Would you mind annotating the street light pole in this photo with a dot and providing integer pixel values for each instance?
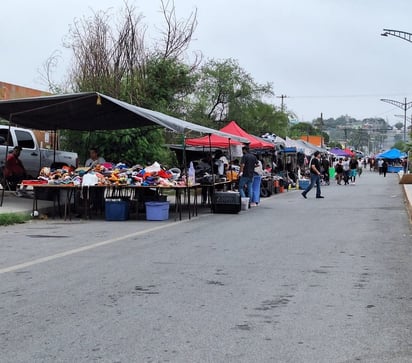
(405, 106)
(409, 119)
(408, 37)
(397, 33)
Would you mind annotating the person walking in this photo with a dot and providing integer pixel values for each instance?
(325, 166)
(339, 171)
(246, 173)
(353, 166)
(346, 170)
(314, 167)
(380, 164)
(384, 167)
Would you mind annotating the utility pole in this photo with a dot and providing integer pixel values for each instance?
(282, 97)
(321, 129)
(403, 105)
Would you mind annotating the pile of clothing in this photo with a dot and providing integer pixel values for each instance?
(109, 174)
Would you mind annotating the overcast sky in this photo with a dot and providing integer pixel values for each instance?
(326, 56)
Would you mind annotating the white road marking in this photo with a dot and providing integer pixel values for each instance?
(84, 248)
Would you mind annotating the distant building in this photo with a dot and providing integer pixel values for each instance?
(314, 140)
(10, 91)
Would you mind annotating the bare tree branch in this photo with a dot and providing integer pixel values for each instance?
(178, 33)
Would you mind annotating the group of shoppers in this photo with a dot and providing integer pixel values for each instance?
(346, 170)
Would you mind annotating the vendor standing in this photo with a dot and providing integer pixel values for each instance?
(94, 158)
(14, 171)
(220, 163)
(257, 180)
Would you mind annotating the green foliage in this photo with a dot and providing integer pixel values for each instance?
(224, 91)
(131, 146)
(333, 144)
(300, 129)
(258, 118)
(402, 146)
(13, 218)
(166, 82)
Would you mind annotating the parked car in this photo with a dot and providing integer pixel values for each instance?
(32, 156)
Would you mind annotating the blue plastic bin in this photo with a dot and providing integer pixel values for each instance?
(157, 211)
(116, 210)
(303, 183)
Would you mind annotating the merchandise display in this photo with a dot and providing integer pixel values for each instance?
(108, 174)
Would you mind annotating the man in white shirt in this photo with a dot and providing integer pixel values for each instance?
(221, 162)
(346, 170)
(94, 158)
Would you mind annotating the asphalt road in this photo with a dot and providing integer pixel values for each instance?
(293, 280)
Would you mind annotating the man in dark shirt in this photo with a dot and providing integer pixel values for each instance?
(314, 175)
(247, 168)
(353, 167)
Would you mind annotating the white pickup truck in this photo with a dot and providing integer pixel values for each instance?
(32, 156)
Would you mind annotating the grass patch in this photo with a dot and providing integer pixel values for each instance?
(13, 218)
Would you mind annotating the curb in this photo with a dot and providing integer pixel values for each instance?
(407, 192)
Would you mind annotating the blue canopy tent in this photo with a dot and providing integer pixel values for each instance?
(391, 154)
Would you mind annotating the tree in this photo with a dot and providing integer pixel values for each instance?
(259, 118)
(333, 144)
(399, 125)
(116, 61)
(401, 145)
(223, 89)
(300, 129)
(168, 82)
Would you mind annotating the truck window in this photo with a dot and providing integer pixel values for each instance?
(3, 133)
(24, 139)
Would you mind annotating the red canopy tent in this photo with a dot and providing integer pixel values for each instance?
(212, 141)
(231, 128)
(349, 152)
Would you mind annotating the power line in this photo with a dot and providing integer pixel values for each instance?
(350, 96)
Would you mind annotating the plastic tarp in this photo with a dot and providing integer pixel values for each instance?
(89, 111)
(234, 129)
(300, 146)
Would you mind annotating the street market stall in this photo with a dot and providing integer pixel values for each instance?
(393, 156)
(91, 111)
(255, 143)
